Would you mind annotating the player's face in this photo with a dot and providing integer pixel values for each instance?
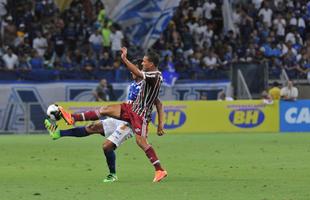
(103, 82)
(147, 65)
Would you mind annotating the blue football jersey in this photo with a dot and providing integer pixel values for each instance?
(134, 89)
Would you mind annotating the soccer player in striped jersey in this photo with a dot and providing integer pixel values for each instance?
(116, 131)
(136, 113)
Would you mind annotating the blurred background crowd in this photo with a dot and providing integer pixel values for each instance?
(41, 42)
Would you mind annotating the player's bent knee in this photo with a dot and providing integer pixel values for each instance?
(108, 146)
(111, 111)
(90, 129)
(104, 110)
(95, 127)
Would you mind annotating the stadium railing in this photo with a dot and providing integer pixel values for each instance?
(243, 91)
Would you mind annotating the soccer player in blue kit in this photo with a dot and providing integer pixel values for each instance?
(116, 131)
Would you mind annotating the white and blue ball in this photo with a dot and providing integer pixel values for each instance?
(53, 112)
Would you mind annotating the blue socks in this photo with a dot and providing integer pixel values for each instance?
(110, 156)
(74, 132)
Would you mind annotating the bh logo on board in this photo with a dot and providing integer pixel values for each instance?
(174, 118)
(246, 118)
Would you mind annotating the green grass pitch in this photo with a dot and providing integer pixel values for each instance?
(200, 166)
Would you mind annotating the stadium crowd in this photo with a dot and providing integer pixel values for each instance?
(38, 42)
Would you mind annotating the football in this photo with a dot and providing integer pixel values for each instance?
(53, 112)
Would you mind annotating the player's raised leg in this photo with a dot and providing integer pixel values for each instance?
(92, 115)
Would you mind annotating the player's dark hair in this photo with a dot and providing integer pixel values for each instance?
(153, 57)
(138, 63)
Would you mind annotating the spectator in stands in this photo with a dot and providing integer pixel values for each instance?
(67, 61)
(71, 35)
(119, 70)
(188, 42)
(304, 67)
(58, 42)
(266, 14)
(275, 91)
(78, 58)
(49, 56)
(170, 76)
(298, 22)
(10, 60)
(175, 35)
(228, 55)
(198, 12)
(290, 62)
(246, 26)
(106, 32)
(8, 31)
(101, 12)
(20, 35)
(40, 44)
(166, 52)
(289, 92)
(208, 7)
(116, 38)
(36, 61)
(257, 3)
(267, 99)
(88, 65)
(24, 65)
(207, 37)
(203, 95)
(105, 62)
(96, 42)
(279, 24)
(293, 37)
(198, 32)
(24, 48)
(3, 11)
(221, 96)
(194, 66)
(104, 91)
(210, 61)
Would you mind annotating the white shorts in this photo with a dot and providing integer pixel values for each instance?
(117, 131)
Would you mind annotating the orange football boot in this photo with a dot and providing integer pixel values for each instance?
(159, 175)
(66, 116)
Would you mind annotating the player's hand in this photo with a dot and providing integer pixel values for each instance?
(124, 52)
(160, 130)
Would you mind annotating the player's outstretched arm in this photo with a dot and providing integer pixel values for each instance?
(133, 68)
(160, 113)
